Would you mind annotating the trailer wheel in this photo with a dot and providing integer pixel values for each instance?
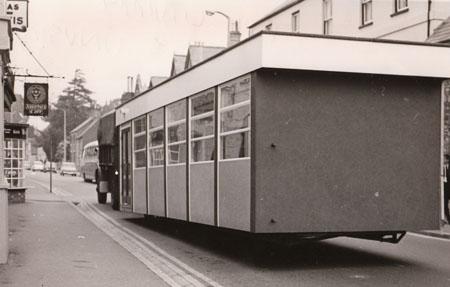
(101, 197)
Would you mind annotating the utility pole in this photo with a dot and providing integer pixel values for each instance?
(65, 153)
(51, 160)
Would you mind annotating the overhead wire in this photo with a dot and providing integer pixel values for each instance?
(32, 55)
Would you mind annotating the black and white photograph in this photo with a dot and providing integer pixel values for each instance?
(222, 143)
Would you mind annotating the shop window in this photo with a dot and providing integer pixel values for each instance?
(13, 164)
(202, 127)
(234, 116)
(176, 132)
(156, 138)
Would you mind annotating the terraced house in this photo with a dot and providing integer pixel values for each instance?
(382, 19)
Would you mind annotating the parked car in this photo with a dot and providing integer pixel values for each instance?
(47, 167)
(37, 165)
(68, 168)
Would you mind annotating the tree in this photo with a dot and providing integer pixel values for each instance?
(76, 101)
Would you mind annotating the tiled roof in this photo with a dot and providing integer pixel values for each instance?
(155, 80)
(178, 63)
(198, 53)
(441, 34)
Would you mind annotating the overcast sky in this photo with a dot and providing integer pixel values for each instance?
(112, 39)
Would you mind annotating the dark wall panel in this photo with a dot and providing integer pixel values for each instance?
(234, 194)
(139, 191)
(156, 204)
(201, 193)
(176, 192)
(345, 152)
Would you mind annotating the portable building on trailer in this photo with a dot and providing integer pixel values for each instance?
(292, 133)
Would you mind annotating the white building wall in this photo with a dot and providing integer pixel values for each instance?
(347, 19)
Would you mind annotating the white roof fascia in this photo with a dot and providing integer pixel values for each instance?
(355, 56)
(230, 65)
(297, 52)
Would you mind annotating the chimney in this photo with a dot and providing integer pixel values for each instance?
(235, 35)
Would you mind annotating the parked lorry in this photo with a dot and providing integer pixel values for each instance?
(107, 160)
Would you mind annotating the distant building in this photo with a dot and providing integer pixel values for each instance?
(199, 53)
(84, 133)
(389, 19)
(178, 64)
(156, 80)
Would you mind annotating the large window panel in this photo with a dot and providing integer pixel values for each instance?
(235, 145)
(139, 142)
(139, 159)
(156, 138)
(139, 135)
(235, 119)
(203, 150)
(202, 126)
(202, 103)
(234, 114)
(176, 132)
(236, 92)
(177, 153)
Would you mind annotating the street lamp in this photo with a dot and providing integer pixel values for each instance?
(211, 13)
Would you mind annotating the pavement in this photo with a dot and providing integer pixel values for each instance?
(444, 232)
(53, 244)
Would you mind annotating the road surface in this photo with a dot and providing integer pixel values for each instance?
(209, 257)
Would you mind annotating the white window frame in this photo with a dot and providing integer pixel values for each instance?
(135, 135)
(398, 4)
(238, 131)
(327, 19)
(364, 5)
(150, 131)
(20, 159)
(295, 21)
(198, 117)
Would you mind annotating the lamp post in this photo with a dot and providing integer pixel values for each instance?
(211, 13)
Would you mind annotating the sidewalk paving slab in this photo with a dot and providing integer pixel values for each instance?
(52, 244)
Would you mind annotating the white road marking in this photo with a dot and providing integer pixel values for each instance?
(170, 269)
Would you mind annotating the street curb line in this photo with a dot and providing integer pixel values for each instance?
(442, 235)
(158, 250)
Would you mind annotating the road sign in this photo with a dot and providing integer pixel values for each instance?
(17, 10)
(36, 99)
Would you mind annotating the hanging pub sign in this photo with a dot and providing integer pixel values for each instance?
(36, 99)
